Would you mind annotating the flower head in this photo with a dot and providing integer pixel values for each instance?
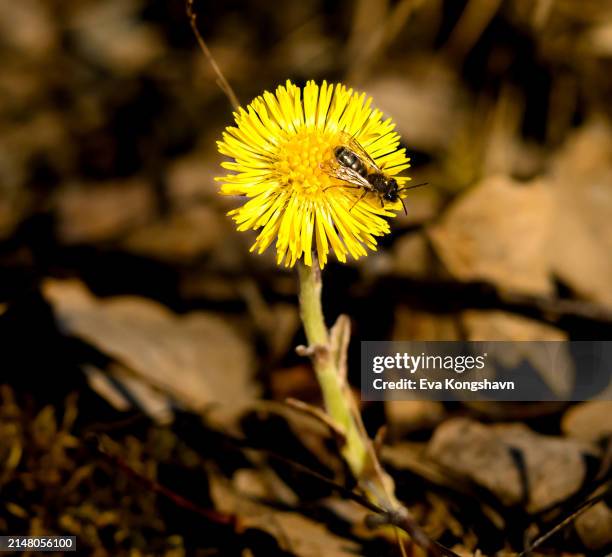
(280, 146)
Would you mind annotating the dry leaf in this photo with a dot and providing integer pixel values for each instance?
(523, 334)
(95, 213)
(500, 325)
(424, 102)
(192, 179)
(413, 324)
(181, 238)
(478, 236)
(412, 255)
(594, 526)
(408, 416)
(197, 358)
(554, 467)
(147, 399)
(582, 240)
(472, 450)
(588, 421)
(295, 533)
(110, 33)
(28, 27)
(422, 205)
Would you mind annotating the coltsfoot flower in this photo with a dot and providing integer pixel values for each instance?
(281, 148)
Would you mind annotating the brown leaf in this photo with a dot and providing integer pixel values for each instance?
(594, 526)
(111, 34)
(582, 240)
(554, 467)
(94, 213)
(192, 179)
(197, 358)
(588, 421)
(408, 416)
(499, 325)
(295, 533)
(424, 102)
(180, 238)
(472, 450)
(421, 325)
(414, 457)
(151, 401)
(499, 232)
(422, 204)
(27, 27)
(294, 382)
(412, 255)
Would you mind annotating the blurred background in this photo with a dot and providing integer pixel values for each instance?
(143, 346)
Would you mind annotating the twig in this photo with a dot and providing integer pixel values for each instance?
(221, 80)
(398, 518)
(94, 441)
(567, 520)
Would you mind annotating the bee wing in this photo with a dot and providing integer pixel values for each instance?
(358, 149)
(334, 169)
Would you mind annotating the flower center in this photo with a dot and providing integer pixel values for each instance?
(300, 158)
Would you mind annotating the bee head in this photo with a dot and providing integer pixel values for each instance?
(392, 190)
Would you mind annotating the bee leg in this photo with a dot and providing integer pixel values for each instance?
(404, 206)
(362, 196)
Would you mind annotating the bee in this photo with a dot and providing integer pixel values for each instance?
(352, 164)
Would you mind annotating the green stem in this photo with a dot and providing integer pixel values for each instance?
(336, 394)
(311, 310)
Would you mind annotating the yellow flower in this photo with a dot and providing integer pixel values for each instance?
(280, 144)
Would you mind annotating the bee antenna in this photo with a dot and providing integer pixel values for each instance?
(404, 206)
(405, 188)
